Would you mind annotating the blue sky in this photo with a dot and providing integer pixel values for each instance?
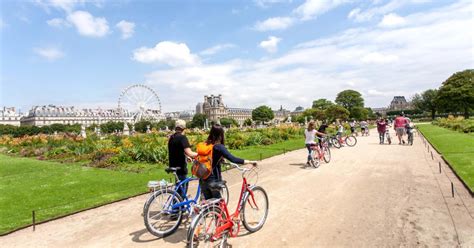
(273, 52)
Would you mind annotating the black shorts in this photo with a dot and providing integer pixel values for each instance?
(353, 129)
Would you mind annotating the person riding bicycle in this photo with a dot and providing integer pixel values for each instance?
(353, 124)
(219, 152)
(310, 136)
(322, 131)
(178, 149)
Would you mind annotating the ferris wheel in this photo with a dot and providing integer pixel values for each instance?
(142, 101)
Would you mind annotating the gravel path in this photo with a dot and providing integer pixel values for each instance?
(369, 195)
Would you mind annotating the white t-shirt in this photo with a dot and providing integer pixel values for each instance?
(340, 129)
(310, 136)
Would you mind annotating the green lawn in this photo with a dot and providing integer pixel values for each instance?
(457, 148)
(53, 189)
(253, 152)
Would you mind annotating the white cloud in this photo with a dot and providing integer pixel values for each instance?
(88, 25)
(127, 28)
(392, 20)
(58, 23)
(267, 3)
(2, 24)
(50, 53)
(166, 52)
(66, 5)
(427, 50)
(274, 23)
(359, 15)
(378, 58)
(310, 9)
(271, 45)
(217, 48)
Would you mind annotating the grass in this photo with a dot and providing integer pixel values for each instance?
(54, 189)
(254, 152)
(457, 148)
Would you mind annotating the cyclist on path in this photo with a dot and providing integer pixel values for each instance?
(310, 136)
(381, 128)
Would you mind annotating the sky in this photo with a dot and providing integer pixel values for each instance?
(263, 52)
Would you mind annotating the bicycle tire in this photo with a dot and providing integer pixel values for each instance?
(146, 217)
(350, 141)
(213, 212)
(327, 154)
(335, 142)
(246, 206)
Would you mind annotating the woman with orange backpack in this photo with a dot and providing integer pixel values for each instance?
(209, 160)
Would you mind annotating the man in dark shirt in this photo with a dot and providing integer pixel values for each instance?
(321, 129)
(178, 147)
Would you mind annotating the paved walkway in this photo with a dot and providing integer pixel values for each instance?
(369, 195)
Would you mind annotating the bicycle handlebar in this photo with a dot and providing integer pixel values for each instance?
(241, 169)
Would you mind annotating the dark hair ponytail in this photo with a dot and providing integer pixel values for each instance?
(216, 135)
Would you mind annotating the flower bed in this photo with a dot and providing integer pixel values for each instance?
(456, 123)
(115, 152)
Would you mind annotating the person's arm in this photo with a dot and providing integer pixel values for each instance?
(187, 147)
(227, 155)
(190, 153)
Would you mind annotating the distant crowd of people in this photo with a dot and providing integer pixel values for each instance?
(401, 124)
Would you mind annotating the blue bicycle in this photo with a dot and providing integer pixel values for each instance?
(164, 209)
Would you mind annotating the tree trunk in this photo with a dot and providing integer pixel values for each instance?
(466, 113)
(433, 112)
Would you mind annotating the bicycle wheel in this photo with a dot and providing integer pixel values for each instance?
(327, 154)
(203, 227)
(160, 218)
(335, 142)
(255, 210)
(351, 141)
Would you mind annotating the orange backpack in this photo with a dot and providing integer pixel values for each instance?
(202, 166)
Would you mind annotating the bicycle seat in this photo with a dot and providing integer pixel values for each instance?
(172, 169)
(217, 185)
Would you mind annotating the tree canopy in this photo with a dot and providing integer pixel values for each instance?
(322, 104)
(198, 120)
(457, 92)
(359, 113)
(228, 122)
(350, 99)
(262, 114)
(426, 101)
(337, 112)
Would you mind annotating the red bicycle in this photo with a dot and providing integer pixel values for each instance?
(213, 225)
(320, 152)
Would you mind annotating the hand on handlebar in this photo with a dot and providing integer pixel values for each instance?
(254, 163)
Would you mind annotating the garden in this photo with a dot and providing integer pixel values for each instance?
(59, 174)
(456, 147)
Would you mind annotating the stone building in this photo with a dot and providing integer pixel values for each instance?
(281, 114)
(186, 115)
(215, 109)
(239, 114)
(51, 114)
(9, 116)
(399, 103)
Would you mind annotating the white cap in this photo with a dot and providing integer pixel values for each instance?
(181, 124)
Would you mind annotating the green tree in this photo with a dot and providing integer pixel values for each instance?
(350, 99)
(371, 114)
(426, 101)
(457, 92)
(141, 126)
(228, 122)
(198, 120)
(322, 104)
(315, 114)
(248, 122)
(262, 114)
(359, 113)
(337, 112)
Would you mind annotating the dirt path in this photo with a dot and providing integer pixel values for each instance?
(369, 195)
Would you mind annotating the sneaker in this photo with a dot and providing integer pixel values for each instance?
(403, 142)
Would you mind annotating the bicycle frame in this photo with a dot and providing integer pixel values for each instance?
(228, 223)
(187, 203)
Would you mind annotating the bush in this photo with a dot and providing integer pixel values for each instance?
(456, 123)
